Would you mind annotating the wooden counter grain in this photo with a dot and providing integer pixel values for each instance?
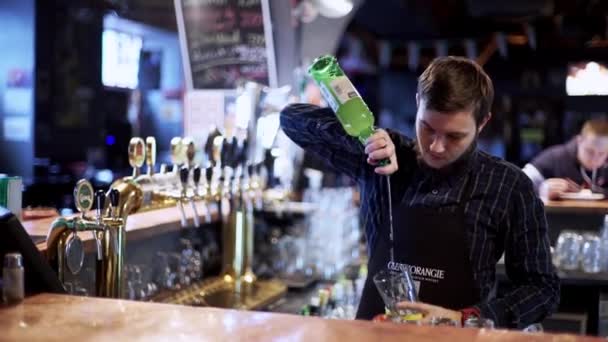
(49, 317)
(139, 225)
(577, 207)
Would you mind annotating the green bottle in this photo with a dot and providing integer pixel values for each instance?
(343, 98)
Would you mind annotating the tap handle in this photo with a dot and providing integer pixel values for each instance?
(183, 176)
(236, 153)
(190, 149)
(100, 199)
(176, 150)
(114, 198)
(196, 175)
(137, 152)
(150, 154)
(209, 174)
(211, 148)
(225, 154)
(244, 152)
(163, 169)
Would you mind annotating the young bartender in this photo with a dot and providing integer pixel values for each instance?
(579, 163)
(455, 208)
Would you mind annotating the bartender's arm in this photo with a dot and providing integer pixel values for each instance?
(318, 130)
(544, 178)
(535, 285)
(534, 292)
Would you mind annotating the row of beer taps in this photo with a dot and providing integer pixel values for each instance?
(228, 181)
(226, 175)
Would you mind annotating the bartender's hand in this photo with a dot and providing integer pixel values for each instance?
(378, 147)
(431, 311)
(553, 188)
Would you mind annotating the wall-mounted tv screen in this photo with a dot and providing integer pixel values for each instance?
(120, 59)
(587, 78)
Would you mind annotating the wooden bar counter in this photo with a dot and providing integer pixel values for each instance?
(577, 207)
(67, 318)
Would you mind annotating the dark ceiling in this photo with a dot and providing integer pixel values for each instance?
(563, 20)
(555, 24)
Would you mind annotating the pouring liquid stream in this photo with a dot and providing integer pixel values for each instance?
(390, 220)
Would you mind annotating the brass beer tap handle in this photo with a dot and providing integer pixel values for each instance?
(114, 199)
(150, 155)
(100, 198)
(176, 152)
(137, 155)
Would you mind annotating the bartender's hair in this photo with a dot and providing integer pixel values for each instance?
(451, 84)
(597, 126)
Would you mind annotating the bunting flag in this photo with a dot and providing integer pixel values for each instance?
(501, 42)
(531, 35)
(384, 55)
(413, 55)
(470, 48)
(441, 48)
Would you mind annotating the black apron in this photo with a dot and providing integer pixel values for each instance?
(434, 246)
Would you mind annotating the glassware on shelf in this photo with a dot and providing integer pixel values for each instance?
(591, 253)
(568, 250)
(164, 277)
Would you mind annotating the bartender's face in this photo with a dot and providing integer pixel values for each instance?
(592, 151)
(444, 137)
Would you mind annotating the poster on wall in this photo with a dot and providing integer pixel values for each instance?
(225, 41)
(203, 110)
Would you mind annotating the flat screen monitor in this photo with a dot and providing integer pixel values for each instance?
(120, 53)
(587, 78)
(39, 276)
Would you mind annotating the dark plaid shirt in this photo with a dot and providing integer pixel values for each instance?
(502, 211)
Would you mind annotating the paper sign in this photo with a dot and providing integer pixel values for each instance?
(203, 109)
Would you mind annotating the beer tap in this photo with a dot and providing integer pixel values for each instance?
(137, 155)
(190, 151)
(247, 276)
(196, 177)
(176, 153)
(183, 177)
(65, 249)
(110, 269)
(150, 156)
(100, 198)
(114, 199)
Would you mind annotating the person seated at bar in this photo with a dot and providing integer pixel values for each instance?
(579, 163)
(454, 208)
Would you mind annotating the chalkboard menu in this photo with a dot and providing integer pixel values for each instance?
(224, 41)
